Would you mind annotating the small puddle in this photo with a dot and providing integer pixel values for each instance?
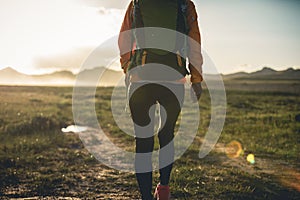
(74, 129)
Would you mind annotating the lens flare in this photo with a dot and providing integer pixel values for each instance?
(234, 149)
(250, 158)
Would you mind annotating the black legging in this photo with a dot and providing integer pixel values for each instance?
(143, 97)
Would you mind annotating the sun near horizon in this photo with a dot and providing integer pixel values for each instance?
(42, 37)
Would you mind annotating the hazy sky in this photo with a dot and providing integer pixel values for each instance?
(239, 35)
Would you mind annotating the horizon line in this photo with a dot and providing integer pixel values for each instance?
(221, 73)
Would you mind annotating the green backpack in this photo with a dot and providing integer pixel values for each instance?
(167, 14)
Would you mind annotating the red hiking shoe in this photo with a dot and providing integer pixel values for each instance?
(162, 192)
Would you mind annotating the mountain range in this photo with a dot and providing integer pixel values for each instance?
(9, 76)
(267, 74)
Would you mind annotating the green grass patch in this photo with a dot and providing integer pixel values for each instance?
(37, 159)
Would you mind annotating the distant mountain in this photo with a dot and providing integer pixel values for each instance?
(88, 77)
(266, 71)
(235, 75)
(8, 72)
(62, 74)
(9, 76)
(100, 75)
(267, 74)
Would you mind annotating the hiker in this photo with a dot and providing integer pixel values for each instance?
(148, 87)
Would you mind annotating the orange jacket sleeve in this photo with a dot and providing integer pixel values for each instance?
(194, 55)
(125, 38)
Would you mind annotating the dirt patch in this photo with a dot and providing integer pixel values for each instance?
(286, 173)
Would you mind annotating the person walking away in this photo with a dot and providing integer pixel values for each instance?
(148, 87)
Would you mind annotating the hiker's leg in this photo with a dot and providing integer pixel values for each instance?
(172, 105)
(143, 166)
(140, 103)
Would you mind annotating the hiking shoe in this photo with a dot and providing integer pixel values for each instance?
(162, 192)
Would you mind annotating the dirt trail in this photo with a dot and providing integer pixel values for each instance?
(93, 183)
(287, 174)
(96, 180)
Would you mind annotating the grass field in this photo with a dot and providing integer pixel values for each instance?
(38, 160)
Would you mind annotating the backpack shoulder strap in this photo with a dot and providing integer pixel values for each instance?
(136, 15)
(182, 12)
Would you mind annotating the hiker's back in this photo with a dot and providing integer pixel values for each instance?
(165, 19)
(159, 13)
